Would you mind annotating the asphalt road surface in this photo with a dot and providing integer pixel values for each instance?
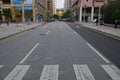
(53, 51)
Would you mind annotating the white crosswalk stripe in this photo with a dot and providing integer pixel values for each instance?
(1, 66)
(113, 71)
(18, 72)
(83, 72)
(50, 72)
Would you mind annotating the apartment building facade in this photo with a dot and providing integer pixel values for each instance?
(83, 9)
(67, 5)
(51, 6)
(24, 7)
(34, 9)
(40, 9)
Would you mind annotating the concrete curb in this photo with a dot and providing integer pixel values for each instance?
(20, 31)
(103, 32)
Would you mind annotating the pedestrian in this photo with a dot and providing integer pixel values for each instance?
(97, 22)
(7, 22)
(116, 23)
(101, 22)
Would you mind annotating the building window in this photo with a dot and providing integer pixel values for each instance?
(99, 0)
(6, 1)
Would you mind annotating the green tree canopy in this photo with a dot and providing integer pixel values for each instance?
(55, 16)
(112, 10)
(66, 14)
(48, 14)
(6, 12)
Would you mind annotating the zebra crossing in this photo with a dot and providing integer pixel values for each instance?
(51, 72)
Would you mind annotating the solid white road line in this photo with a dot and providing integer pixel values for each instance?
(1, 66)
(98, 53)
(113, 71)
(18, 72)
(29, 53)
(50, 72)
(75, 32)
(83, 73)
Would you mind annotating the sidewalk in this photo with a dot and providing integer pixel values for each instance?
(6, 31)
(110, 31)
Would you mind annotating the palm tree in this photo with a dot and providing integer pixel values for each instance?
(6, 12)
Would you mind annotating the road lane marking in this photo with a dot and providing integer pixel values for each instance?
(29, 53)
(1, 66)
(113, 71)
(98, 53)
(50, 72)
(83, 72)
(18, 72)
(48, 32)
(75, 32)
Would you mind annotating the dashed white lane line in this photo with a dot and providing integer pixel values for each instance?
(113, 71)
(22, 61)
(50, 72)
(18, 72)
(48, 32)
(1, 66)
(83, 72)
(107, 61)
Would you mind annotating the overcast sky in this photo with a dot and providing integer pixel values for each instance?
(60, 3)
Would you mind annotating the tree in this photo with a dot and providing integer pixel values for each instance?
(66, 14)
(48, 14)
(111, 11)
(6, 12)
(55, 16)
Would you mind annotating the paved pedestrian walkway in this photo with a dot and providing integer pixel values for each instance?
(6, 31)
(105, 29)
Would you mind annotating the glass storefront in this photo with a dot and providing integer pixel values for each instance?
(28, 2)
(17, 1)
(20, 2)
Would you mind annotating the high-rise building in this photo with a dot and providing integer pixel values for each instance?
(26, 8)
(67, 5)
(33, 9)
(85, 9)
(50, 6)
(54, 6)
(41, 8)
